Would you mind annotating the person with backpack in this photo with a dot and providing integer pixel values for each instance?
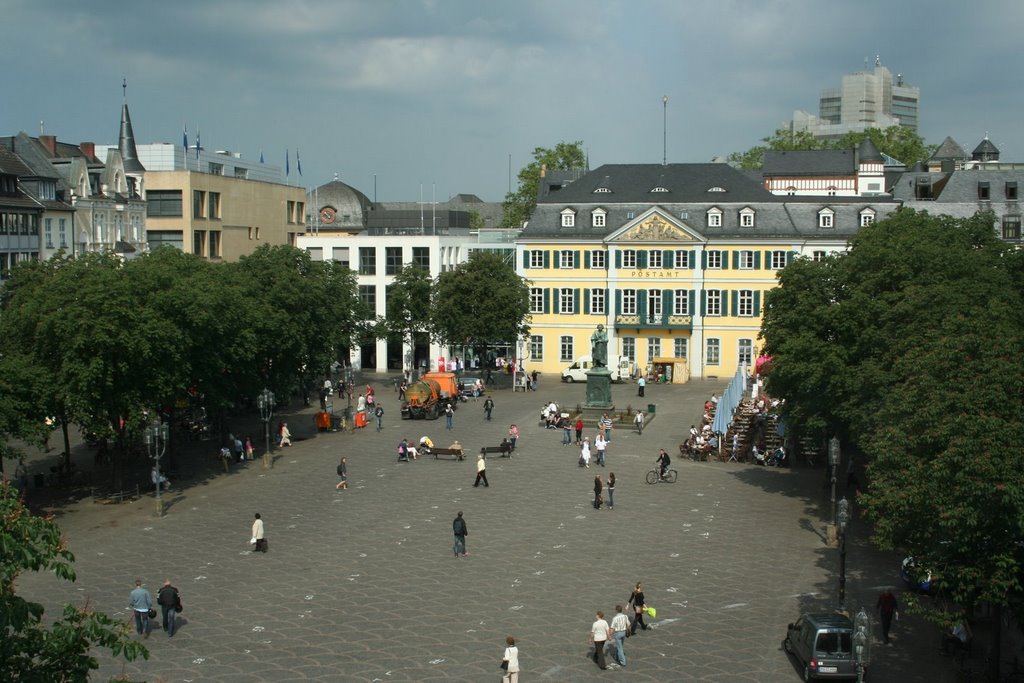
(342, 474)
(379, 414)
(460, 530)
(449, 413)
(488, 407)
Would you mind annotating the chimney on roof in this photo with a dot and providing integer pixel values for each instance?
(88, 149)
(50, 143)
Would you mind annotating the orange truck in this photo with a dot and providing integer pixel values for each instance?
(425, 398)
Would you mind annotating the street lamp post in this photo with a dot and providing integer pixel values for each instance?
(834, 455)
(844, 520)
(265, 403)
(155, 437)
(861, 642)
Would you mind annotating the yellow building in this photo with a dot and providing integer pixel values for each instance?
(673, 260)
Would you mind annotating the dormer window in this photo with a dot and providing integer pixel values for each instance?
(659, 189)
(867, 217)
(832, 191)
(983, 191)
(716, 188)
(746, 217)
(602, 190)
(1011, 190)
(598, 218)
(568, 218)
(714, 218)
(826, 218)
(791, 191)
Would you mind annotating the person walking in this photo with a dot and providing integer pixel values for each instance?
(513, 435)
(579, 431)
(619, 627)
(488, 407)
(140, 602)
(449, 413)
(481, 471)
(258, 537)
(888, 608)
(639, 422)
(638, 602)
(566, 432)
(585, 453)
(599, 633)
(598, 488)
(170, 604)
(378, 413)
(285, 435)
(640, 384)
(250, 450)
(510, 661)
(342, 475)
(600, 444)
(460, 530)
(611, 490)
(607, 423)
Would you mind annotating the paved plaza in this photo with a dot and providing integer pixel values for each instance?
(362, 585)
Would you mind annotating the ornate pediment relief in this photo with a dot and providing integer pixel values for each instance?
(655, 229)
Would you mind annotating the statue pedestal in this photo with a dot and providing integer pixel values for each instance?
(599, 389)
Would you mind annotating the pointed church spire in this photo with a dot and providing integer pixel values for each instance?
(126, 138)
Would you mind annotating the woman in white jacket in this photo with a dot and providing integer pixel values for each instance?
(511, 658)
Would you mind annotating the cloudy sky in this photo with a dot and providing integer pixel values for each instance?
(448, 94)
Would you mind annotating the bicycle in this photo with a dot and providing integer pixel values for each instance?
(654, 476)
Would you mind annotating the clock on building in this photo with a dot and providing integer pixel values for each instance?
(327, 215)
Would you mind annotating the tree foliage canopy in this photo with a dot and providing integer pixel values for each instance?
(899, 142)
(481, 303)
(31, 651)
(519, 204)
(908, 346)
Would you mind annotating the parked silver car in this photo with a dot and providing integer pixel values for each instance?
(823, 645)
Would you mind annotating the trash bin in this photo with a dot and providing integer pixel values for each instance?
(650, 408)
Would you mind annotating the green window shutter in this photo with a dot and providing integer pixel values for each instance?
(768, 260)
(666, 303)
(757, 260)
(757, 303)
(725, 260)
(790, 256)
(703, 302)
(618, 302)
(547, 259)
(735, 260)
(586, 259)
(526, 259)
(618, 258)
(576, 300)
(668, 259)
(703, 261)
(692, 296)
(641, 259)
(547, 300)
(641, 303)
(576, 259)
(586, 300)
(733, 311)
(692, 261)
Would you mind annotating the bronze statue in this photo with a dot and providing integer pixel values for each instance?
(599, 347)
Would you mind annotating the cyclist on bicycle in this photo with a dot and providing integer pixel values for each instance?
(663, 462)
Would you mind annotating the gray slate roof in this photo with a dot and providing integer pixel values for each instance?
(814, 162)
(949, 149)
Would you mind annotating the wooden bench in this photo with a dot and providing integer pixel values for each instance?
(456, 453)
(504, 449)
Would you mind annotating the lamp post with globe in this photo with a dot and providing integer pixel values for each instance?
(265, 403)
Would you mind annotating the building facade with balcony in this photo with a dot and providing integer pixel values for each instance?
(674, 260)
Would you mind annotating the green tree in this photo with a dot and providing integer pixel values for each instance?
(899, 142)
(519, 204)
(30, 650)
(481, 303)
(408, 306)
(907, 345)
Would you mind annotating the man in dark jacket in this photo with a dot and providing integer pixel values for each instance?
(461, 531)
(170, 605)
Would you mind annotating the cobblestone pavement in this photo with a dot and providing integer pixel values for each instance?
(362, 585)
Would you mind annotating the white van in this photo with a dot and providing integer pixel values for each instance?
(619, 366)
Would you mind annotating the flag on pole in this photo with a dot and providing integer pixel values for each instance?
(184, 139)
(198, 144)
(287, 166)
(261, 156)
(298, 162)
